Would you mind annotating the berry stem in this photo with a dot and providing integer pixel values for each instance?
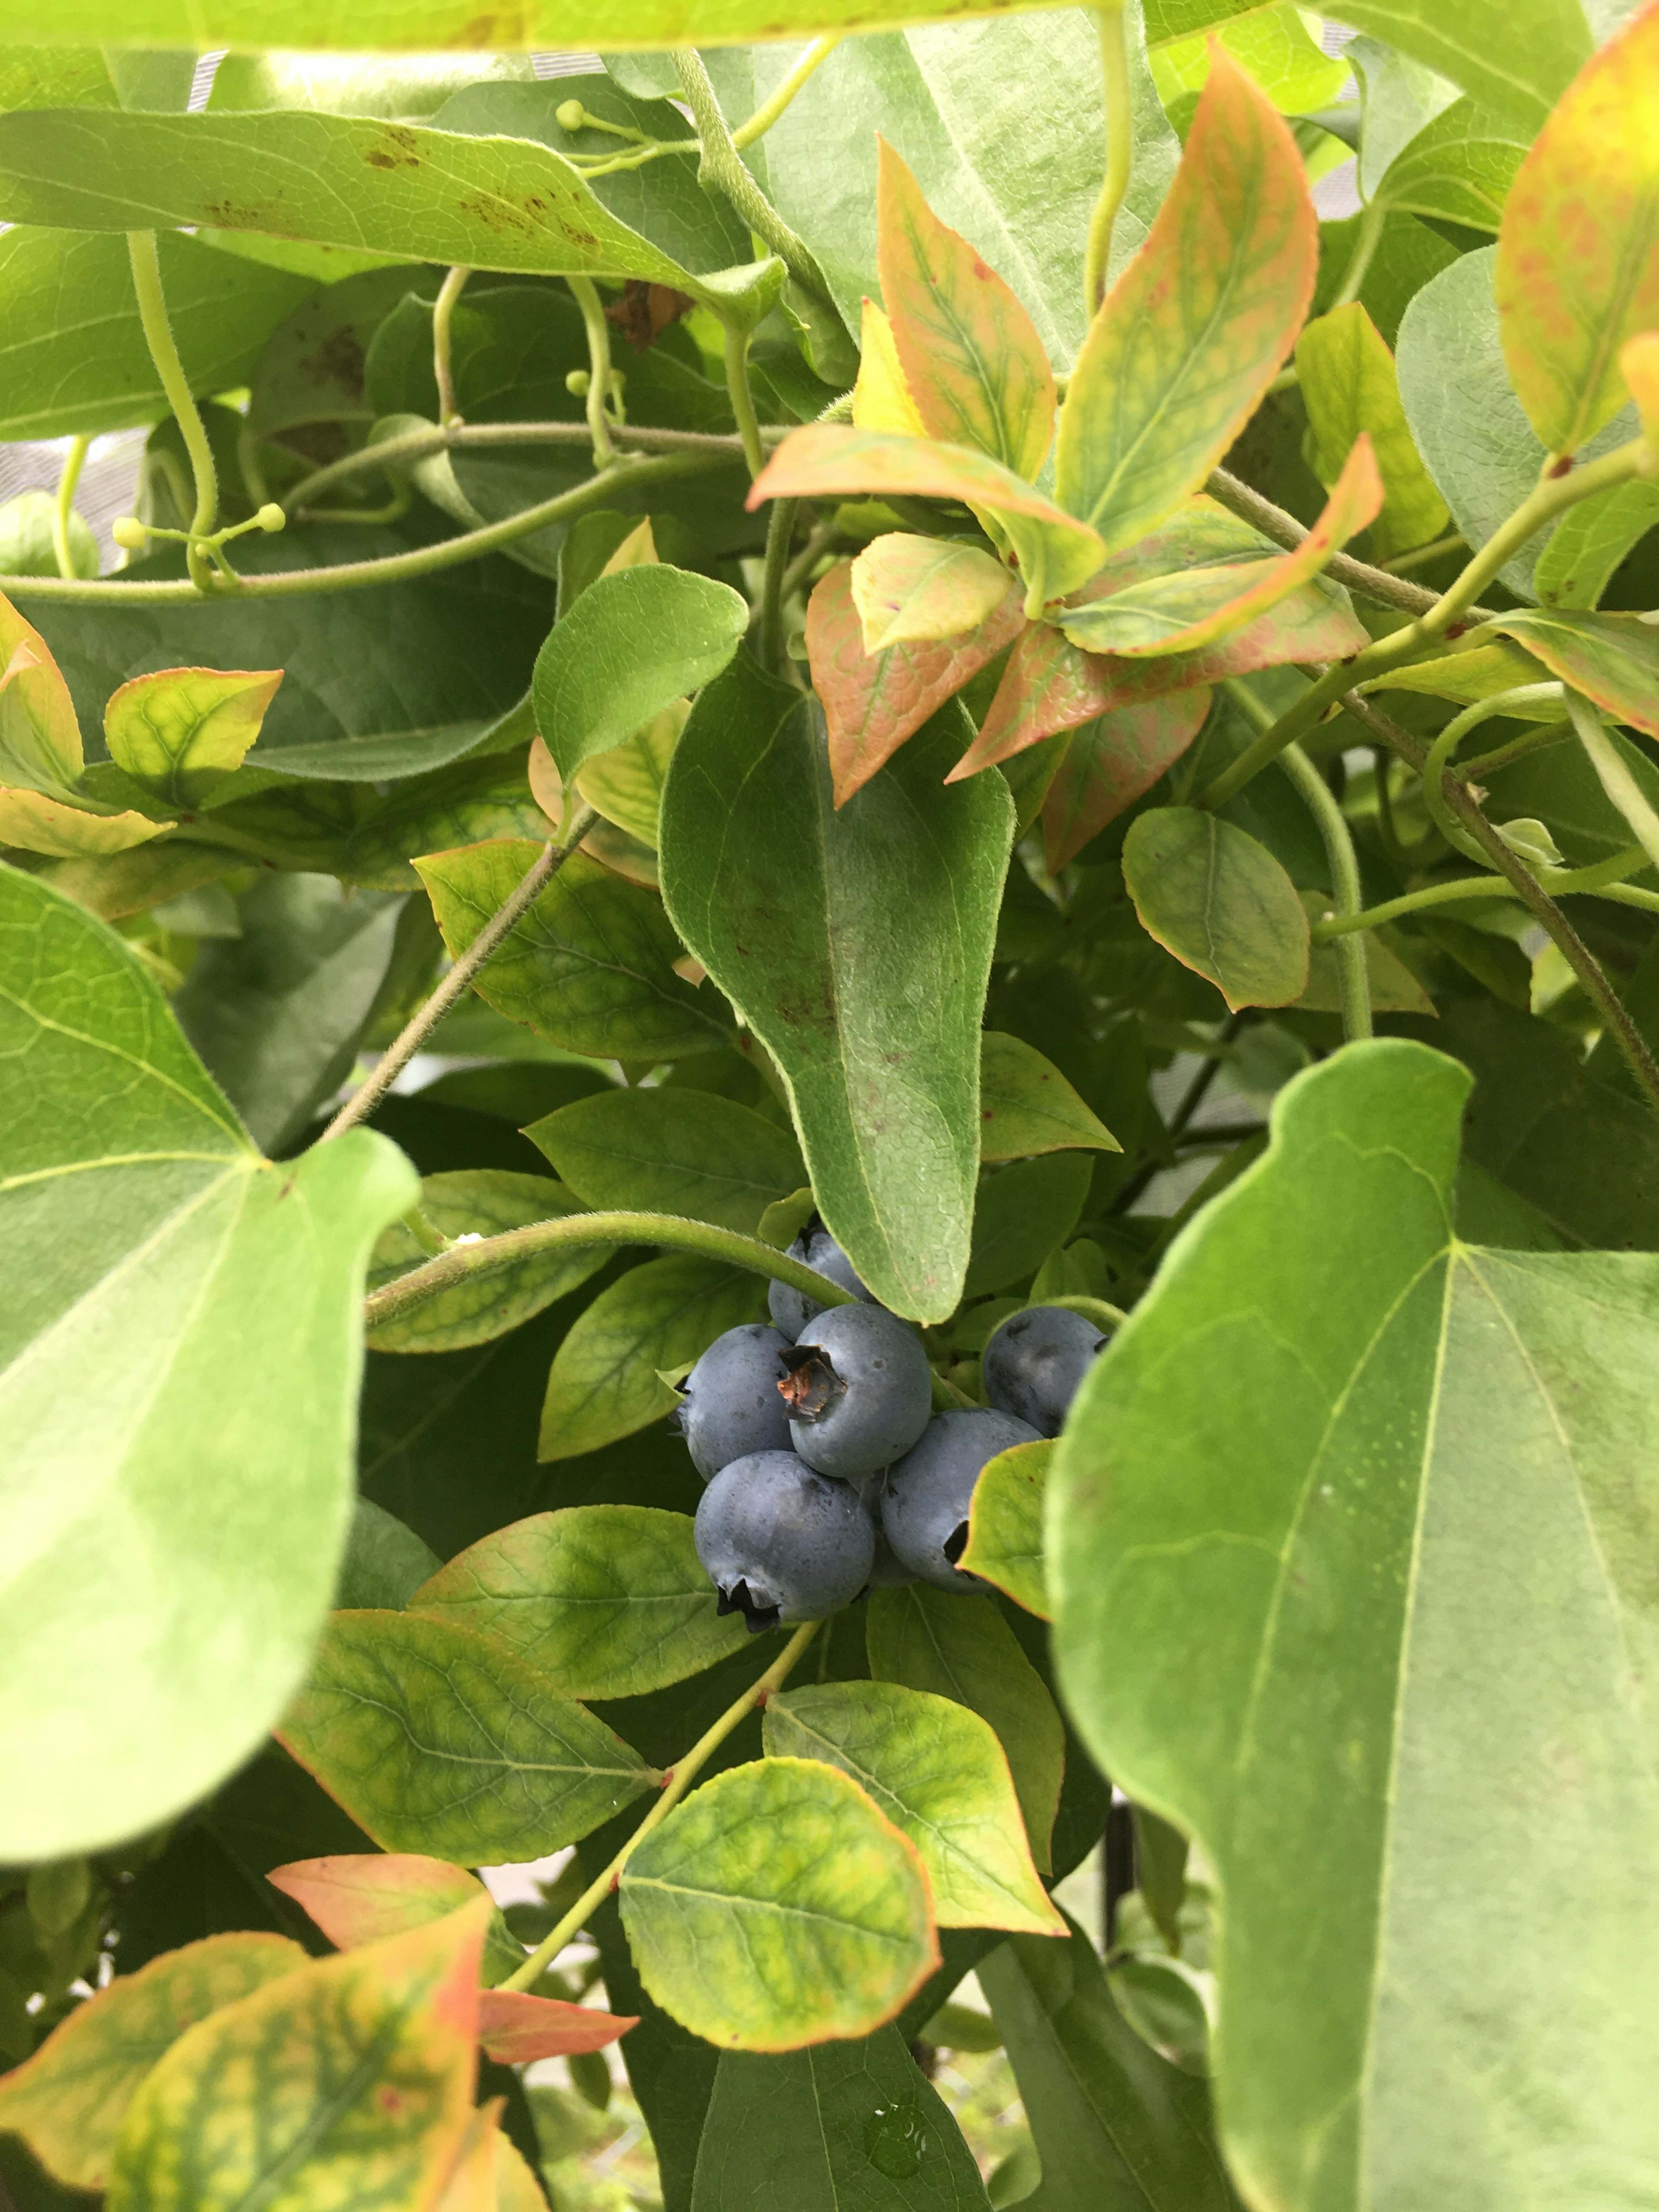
(679, 1779)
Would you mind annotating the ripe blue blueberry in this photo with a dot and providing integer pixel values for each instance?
(781, 1543)
(791, 1311)
(1033, 1364)
(924, 1512)
(858, 1388)
(731, 1407)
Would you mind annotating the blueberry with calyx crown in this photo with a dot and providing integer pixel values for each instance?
(924, 1510)
(791, 1310)
(859, 1390)
(730, 1406)
(781, 1543)
(1033, 1362)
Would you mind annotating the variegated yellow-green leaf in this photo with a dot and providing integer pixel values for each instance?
(1027, 1106)
(939, 1773)
(1213, 895)
(1612, 658)
(919, 590)
(66, 832)
(360, 1896)
(181, 731)
(68, 2101)
(973, 363)
(1005, 1525)
(39, 737)
(1480, 674)
(778, 1906)
(601, 1601)
(446, 1743)
(1348, 384)
(881, 398)
(349, 2082)
(1196, 327)
(625, 785)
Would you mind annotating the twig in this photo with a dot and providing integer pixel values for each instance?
(442, 316)
(1285, 530)
(420, 1024)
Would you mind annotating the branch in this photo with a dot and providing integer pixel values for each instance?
(1248, 504)
(721, 165)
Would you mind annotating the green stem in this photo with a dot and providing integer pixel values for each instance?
(1120, 154)
(1360, 262)
(598, 367)
(158, 335)
(765, 115)
(395, 567)
(74, 462)
(1617, 782)
(721, 165)
(1605, 878)
(743, 398)
(676, 1782)
(1446, 744)
(1422, 555)
(1354, 986)
(491, 1253)
(443, 315)
(780, 531)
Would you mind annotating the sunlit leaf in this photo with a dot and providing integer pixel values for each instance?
(1005, 1525)
(1516, 61)
(1195, 329)
(1612, 658)
(1220, 901)
(778, 1906)
(922, 590)
(1590, 541)
(1348, 384)
(881, 398)
(182, 731)
(66, 832)
(1027, 1106)
(516, 2027)
(1110, 762)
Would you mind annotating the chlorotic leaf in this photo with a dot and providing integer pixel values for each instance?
(480, 1202)
(181, 731)
(625, 785)
(1005, 1526)
(347, 2082)
(39, 737)
(858, 945)
(67, 2102)
(1475, 675)
(638, 638)
(1195, 329)
(66, 830)
(939, 1773)
(881, 398)
(671, 1151)
(1612, 658)
(358, 1897)
(439, 1741)
(973, 363)
(1348, 384)
(1110, 762)
(1407, 1449)
(912, 591)
(1027, 1106)
(1577, 269)
(778, 1906)
(181, 1350)
(1220, 901)
(602, 1601)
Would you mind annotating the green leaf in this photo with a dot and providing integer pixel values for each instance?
(602, 1601)
(28, 544)
(183, 1327)
(1348, 384)
(1220, 901)
(1195, 329)
(840, 2127)
(384, 1564)
(1005, 1526)
(1517, 63)
(1589, 542)
(1110, 762)
(605, 1382)
(481, 1202)
(590, 967)
(1027, 1106)
(919, 591)
(1577, 266)
(1271, 46)
(962, 1648)
(858, 946)
(939, 1774)
(1612, 658)
(74, 350)
(1115, 2127)
(1480, 674)
(633, 644)
(671, 1151)
(1407, 1450)
(778, 1906)
(1458, 168)
(359, 2075)
(414, 87)
(1023, 1212)
(181, 732)
(441, 1742)
(68, 2101)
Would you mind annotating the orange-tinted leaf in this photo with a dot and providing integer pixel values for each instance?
(40, 825)
(1638, 363)
(349, 2082)
(1612, 658)
(973, 362)
(181, 731)
(873, 704)
(39, 737)
(515, 2027)
(471, 2184)
(1578, 267)
(881, 398)
(1056, 552)
(363, 1897)
(1188, 609)
(1110, 762)
(911, 590)
(1198, 324)
(68, 2101)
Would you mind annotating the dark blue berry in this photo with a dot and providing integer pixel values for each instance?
(1033, 1363)
(781, 1543)
(923, 1511)
(731, 1405)
(791, 1310)
(859, 1390)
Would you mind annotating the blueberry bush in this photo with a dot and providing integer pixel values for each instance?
(829, 984)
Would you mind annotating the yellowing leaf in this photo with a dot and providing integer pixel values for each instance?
(1188, 609)
(68, 832)
(637, 551)
(40, 736)
(1612, 658)
(921, 590)
(183, 729)
(1005, 1525)
(68, 2101)
(1477, 674)
(357, 1898)
(1196, 327)
(1577, 270)
(625, 785)
(881, 398)
(1638, 363)
(348, 2082)
(973, 362)
(516, 2028)
(1349, 385)
(470, 2185)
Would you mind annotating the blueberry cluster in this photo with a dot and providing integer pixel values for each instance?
(828, 1472)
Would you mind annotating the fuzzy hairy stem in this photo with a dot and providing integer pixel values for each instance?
(164, 352)
(63, 505)
(443, 315)
(1353, 987)
(587, 295)
(1120, 154)
(721, 167)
